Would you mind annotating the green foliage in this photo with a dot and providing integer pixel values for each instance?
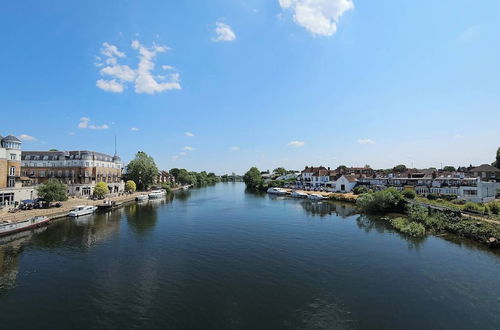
(280, 171)
(53, 191)
(410, 228)
(381, 201)
(130, 186)
(253, 178)
(359, 190)
(471, 207)
(101, 190)
(494, 207)
(399, 168)
(185, 177)
(497, 161)
(167, 187)
(277, 183)
(449, 169)
(432, 196)
(410, 194)
(142, 170)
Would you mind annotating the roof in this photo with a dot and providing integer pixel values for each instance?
(485, 168)
(313, 169)
(11, 138)
(351, 178)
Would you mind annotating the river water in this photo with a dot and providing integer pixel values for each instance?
(224, 258)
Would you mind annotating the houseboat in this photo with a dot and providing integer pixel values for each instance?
(108, 205)
(276, 191)
(12, 227)
(142, 198)
(157, 194)
(82, 210)
(298, 194)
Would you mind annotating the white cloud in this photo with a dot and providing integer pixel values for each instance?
(134, 129)
(189, 134)
(142, 77)
(297, 144)
(110, 85)
(366, 141)
(320, 17)
(71, 133)
(26, 137)
(224, 32)
(235, 148)
(470, 34)
(182, 153)
(85, 124)
(188, 148)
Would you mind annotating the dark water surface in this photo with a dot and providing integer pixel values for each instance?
(221, 258)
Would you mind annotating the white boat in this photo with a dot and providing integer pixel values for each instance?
(12, 227)
(276, 191)
(315, 197)
(157, 194)
(298, 194)
(82, 210)
(141, 197)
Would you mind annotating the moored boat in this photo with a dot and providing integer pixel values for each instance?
(82, 210)
(108, 205)
(315, 197)
(276, 191)
(141, 198)
(157, 194)
(298, 194)
(12, 227)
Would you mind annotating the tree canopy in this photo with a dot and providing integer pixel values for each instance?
(130, 186)
(53, 190)
(142, 170)
(449, 169)
(496, 163)
(253, 178)
(280, 171)
(399, 168)
(101, 190)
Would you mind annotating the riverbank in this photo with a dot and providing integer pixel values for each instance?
(67, 206)
(342, 197)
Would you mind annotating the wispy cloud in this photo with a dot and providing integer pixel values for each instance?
(189, 134)
(366, 141)
(26, 137)
(71, 133)
(85, 124)
(320, 17)
(134, 129)
(297, 144)
(470, 34)
(188, 148)
(235, 148)
(116, 76)
(223, 32)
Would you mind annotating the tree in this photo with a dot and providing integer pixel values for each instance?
(253, 178)
(101, 190)
(399, 168)
(449, 169)
(497, 162)
(53, 191)
(130, 186)
(280, 171)
(142, 170)
(342, 168)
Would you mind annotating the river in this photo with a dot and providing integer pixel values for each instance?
(223, 258)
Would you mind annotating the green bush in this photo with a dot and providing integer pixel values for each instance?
(383, 201)
(359, 190)
(432, 196)
(410, 194)
(494, 207)
(472, 207)
(410, 228)
(449, 197)
(167, 187)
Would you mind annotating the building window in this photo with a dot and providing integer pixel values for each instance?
(12, 156)
(11, 183)
(12, 171)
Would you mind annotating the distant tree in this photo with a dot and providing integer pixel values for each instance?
(53, 191)
(130, 186)
(175, 173)
(53, 150)
(449, 169)
(253, 178)
(367, 166)
(280, 171)
(142, 170)
(399, 168)
(342, 168)
(101, 190)
(497, 162)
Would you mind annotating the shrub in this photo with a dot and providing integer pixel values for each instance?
(360, 190)
(382, 201)
(410, 228)
(471, 207)
(167, 187)
(458, 201)
(432, 196)
(130, 186)
(101, 190)
(53, 190)
(494, 208)
(410, 194)
(449, 197)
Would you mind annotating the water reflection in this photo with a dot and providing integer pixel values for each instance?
(143, 217)
(327, 208)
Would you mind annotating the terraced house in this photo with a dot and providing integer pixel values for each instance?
(80, 170)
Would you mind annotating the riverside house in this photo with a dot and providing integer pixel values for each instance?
(327, 179)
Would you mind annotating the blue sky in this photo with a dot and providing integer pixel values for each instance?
(256, 82)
